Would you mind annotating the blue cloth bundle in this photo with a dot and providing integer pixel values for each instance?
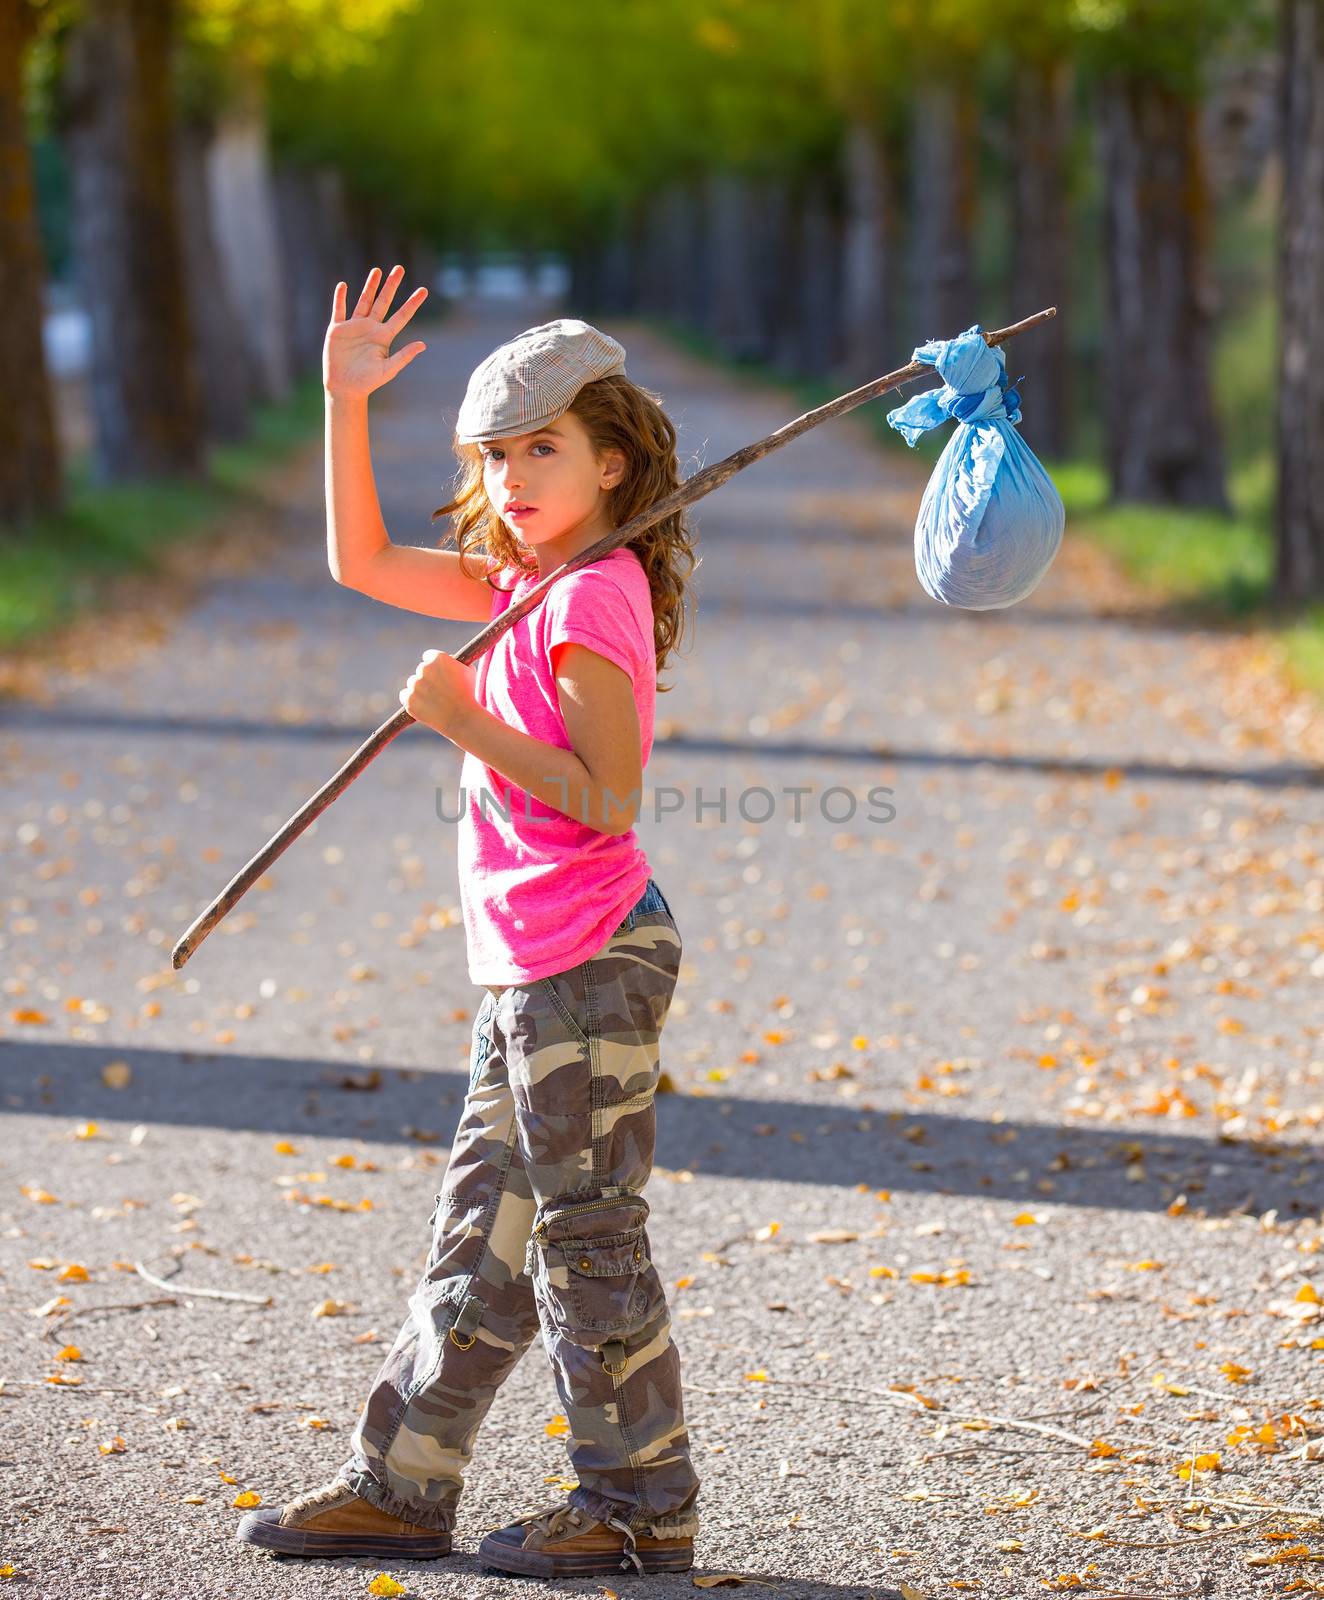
(991, 519)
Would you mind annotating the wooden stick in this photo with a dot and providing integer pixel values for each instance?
(694, 488)
(209, 1294)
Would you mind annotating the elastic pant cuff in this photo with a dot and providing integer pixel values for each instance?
(441, 1518)
(669, 1525)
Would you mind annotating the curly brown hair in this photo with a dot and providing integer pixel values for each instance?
(617, 413)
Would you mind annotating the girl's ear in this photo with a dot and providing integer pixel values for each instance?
(613, 468)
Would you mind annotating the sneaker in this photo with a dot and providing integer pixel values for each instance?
(334, 1521)
(562, 1541)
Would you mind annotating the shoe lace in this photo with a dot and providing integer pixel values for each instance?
(323, 1495)
(554, 1519)
(629, 1547)
(557, 1519)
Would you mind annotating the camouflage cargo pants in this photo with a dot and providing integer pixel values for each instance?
(540, 1222)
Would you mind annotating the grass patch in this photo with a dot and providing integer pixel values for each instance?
(1221, 565)
(61, 563)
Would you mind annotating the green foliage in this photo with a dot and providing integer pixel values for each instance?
(1172, 40)
(62, 563)
(1219, 564)
(1303, 643)
(533, 124)
(310, 35)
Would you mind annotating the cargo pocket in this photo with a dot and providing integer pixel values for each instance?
(481, 1044)
(589, 1262)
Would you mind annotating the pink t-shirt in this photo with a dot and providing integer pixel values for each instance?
(542, 891)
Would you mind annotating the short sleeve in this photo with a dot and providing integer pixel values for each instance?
(501, 581)
(590, 608)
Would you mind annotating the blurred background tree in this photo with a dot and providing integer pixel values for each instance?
(813, 185)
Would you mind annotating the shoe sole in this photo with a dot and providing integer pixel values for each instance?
(258, 1530)
(536, 1564)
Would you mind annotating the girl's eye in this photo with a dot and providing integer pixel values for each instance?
(491, 455)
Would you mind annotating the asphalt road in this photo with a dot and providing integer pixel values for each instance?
(989, 1190)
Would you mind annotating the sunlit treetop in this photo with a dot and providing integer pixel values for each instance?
(307, 36)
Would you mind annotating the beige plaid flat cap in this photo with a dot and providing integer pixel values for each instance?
(529, 381)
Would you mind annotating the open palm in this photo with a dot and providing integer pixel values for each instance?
(356, 356)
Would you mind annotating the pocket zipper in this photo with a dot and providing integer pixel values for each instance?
(587, 1205)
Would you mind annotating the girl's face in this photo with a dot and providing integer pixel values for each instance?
(554, 473)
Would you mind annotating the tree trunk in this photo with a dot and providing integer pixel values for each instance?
(869, 247)
(1163, 440)
(372, 241)
(1240, 119)
(1041, 250)
(117, 114)
(243, 205)
(770, 281)
(340, 261)
(230, 385)
(29, 450)
(692, 296)
(586, 293)
(616, 267)
(422, 267)
(733, 324)
(1299, 571)
(784, 235)
(635, 224)
(664, 265)
(944, 300)
(820, 280)
(305, 249)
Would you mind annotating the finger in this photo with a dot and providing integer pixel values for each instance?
(402, 358)
(398, 318)
(338, 302)
(369, 289)
(382, 304)
(431, 655)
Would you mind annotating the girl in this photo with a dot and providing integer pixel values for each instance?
(540, 1222)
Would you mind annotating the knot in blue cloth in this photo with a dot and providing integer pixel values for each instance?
(991, 519)
(975, 388)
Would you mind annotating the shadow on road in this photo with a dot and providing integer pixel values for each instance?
(713, 1135)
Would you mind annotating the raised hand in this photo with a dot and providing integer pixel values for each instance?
(356, 356)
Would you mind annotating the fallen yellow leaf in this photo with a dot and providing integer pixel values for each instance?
(385, 1584)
